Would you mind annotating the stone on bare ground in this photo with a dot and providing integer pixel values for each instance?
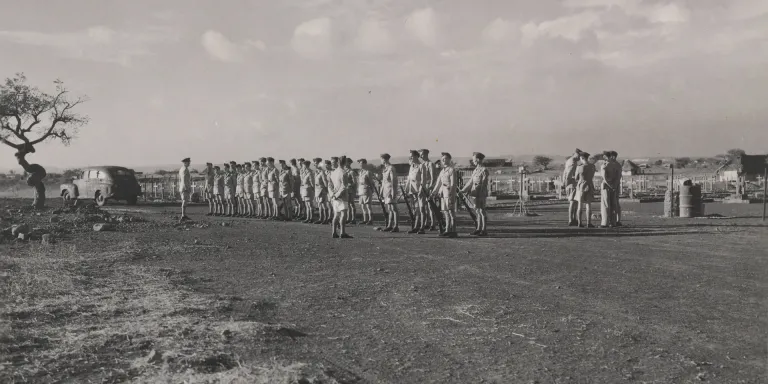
(23, 237)
(103, 227)
(18, 229)
(48, 239)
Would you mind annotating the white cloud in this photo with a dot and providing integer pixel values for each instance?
(669, 13)
(312, 39)
(422, 25)
(221, 48)
(373, 37)
(97, 43)
(500, 30)
(568, 27)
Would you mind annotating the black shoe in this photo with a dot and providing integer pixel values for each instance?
(453, 234)
(572, 224)
(618, 224)
(420, 232)
(590, 226)
(345, 236)
(335, 235)
(443, 234)
(413, 231)
(483, 234)
(474, 233)
(395, 230)
(387, 229)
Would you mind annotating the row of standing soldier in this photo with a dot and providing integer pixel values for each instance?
(261, 189)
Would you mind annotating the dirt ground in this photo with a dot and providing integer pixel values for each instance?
(239, 300)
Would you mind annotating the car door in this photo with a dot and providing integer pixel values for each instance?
(80, 183)
(91, 182)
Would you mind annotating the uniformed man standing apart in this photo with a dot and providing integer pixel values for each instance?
(364, 191)
(265, 201)
(478, 189)
(585, 187)
(256, 187)
(208, 191)
(218, 191)
(185, 187)
(339, 184)
(389, 194)
(273, 188)
(430, 176)
(351, 191)
(321, 190)
(609, 191)
(446, 189)
(248, 190)
(569, 181)
(414, 189)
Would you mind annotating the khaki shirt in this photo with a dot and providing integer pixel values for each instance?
(363, 182)
(430, 173)
(446, 182)
(209, 176)
(185, 180)
(611, 173)
(569, 173)
(339, 183)
(321, 184)
(479, 183)
(286, 181)
(415, 179)
(256, 179)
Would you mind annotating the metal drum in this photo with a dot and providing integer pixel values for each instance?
(690, 200)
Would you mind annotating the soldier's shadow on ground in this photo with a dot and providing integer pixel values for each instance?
(589, 232)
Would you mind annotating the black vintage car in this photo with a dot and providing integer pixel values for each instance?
(102, 183)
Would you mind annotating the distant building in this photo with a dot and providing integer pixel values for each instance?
(495, 163)
(630, 169)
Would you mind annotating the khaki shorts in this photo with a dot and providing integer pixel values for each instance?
(365, 199)
(339, 205)
(479, 202)
(448, 203)
(570, 192)
(185, 196)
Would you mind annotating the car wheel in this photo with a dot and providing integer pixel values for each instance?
(100, 199)
(132, 200)
(66, 198)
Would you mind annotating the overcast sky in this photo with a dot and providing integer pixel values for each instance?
(238, 79)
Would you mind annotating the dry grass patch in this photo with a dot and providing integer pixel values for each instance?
(69, 315)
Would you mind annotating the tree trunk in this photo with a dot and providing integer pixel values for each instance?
(39, 202)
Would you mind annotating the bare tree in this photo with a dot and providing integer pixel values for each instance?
(29, 116)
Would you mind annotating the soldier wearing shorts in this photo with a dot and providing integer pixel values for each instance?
(209, 187)
(446, 189)
(285, 190)
(225, 197)
(248, 190)
(256, 186)
(273, 188)
(185, 187)
(364, 191)
(569, 183)
(430, 177)
(307, 190)
(218, 190)
(339, 182)
(351, 191)
(265, 200)
(321, 191)
(239, 192)
(389, 194)
(478, 189)
(415, 191)
(296, 202)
